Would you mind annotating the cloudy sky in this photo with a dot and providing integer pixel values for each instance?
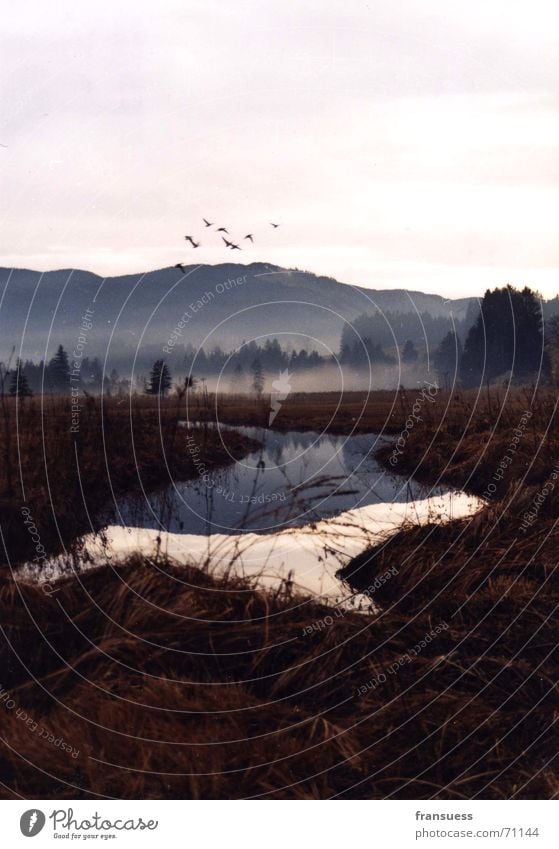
(399, 143)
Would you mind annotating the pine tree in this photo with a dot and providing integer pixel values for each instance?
(59, 370)
(19, 385)
(506, 338)
(447, 358)
(159, 380)
(552, 331)
(409, 352)
(257, 377)
(189, 382)
(237, 382)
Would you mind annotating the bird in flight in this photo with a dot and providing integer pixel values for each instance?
(181, 266)
(275, 226)
(249, 236)
(207, 223)
(235, 248)
(192, 242)
(227, 243)
(222, 230)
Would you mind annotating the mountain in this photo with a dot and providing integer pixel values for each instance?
(141, 315)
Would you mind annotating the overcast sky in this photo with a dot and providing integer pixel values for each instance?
(399, 143)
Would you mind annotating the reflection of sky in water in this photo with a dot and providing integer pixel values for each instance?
(296, 478)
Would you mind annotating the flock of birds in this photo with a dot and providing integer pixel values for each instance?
(228, 244)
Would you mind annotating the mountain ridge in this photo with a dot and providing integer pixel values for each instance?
(221, 305)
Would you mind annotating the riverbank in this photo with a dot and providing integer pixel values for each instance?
(323, 412)
(444, 689)
(308, 558)
(62, 470)
(241, 694)
(379, 411)
(245, 693)
(494, 578)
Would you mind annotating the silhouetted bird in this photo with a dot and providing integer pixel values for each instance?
(181, 266)
(207, 223)
(229, 244)
(273, 225)
(222, 230)
(249, 236)
(192, 242)
(235, 248)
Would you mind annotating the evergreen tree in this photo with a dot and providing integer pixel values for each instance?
(238, 380)
(552, 346)
(409, 352)
(272, 356)
(93, 376)
(395, 328)
(114, 379)
(189, 383)
(34, 373)
(552, 332)
(506, 338)
(257, 377)
(159, 381)
(447, 358)
(472, 314)
(19, 385)
(59, 370)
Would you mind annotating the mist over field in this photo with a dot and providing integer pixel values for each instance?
(222, 324)
(330, 378)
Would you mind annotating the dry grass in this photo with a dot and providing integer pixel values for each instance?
(173, 684)
(122, 447)
(350, 412)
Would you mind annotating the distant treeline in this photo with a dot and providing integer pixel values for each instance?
(59, 373)
(271, 356)
(391, 331)
(510, 335)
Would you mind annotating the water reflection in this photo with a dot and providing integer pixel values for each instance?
(294, 480)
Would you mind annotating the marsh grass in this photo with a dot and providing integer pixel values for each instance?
(174, 683)
(68, 480)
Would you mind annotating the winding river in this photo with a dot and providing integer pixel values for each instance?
(295, 510)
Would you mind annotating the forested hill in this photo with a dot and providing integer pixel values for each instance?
(219, 304)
